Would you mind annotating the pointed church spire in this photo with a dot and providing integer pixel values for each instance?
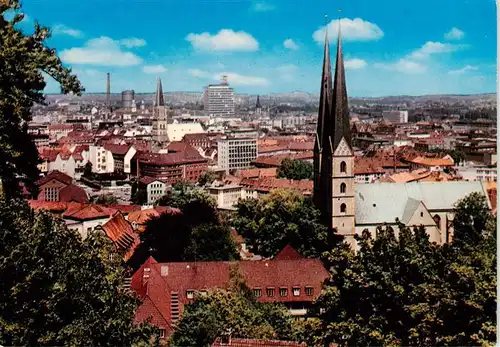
(326, 88)
(340, 105)
(159, 94)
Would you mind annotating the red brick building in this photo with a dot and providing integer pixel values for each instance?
(165, 288)
(187, 165)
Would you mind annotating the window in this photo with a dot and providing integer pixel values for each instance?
(421, 214)
(296, 291)
(270, 292)
(343, 167)
(309, 291)
(343, 208)
(342, 188)
(190, 294)
(437, 220)
(162, 333)
(283, 292)
(257, 292)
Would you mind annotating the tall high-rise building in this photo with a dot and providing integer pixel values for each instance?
(160, 118)
(333, 153)
(258, 106)
(128, 98)
(219, 99)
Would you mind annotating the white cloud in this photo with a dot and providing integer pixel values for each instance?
(262, 6)
(290, 44)
(454, 34)
(404, 66)
(463, 70)
(102, 51)
(355, 63)
(132, 42)
(87, 72)
(355, 29)
(154, 69)
(225, 40)
(198, 73)
(61, 29)
(241, 80)
(430, 48)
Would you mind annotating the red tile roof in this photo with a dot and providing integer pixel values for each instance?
(288, 253)
(125, 209)
(269, 183)
(156, 281)
(72, 193)
(190, 155)
(277, 159)
(49, 154)
(236, 342)
(117, 149)
(142, 216)
(89, 212)
(147, 180)
(122, 234)
(52, 206)
(258, 173)
(57, 175)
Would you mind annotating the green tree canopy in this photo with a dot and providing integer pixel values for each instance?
(283, 217)
(406, 291)
(295, 169)
(235, 311)
(24, 59)
(57, 290)
(195, 234)
(104, 199)
(472, 215)
(206, 178)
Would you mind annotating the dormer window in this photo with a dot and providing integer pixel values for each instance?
(190, 294)
(270, 292)
(257, 292)
(309, 291)
(283, 292)
(296, 291)
(162, 333)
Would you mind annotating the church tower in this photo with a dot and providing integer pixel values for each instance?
(159, 132)
(258, 107)
(334, 195)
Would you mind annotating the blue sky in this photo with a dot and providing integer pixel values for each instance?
(274, 46)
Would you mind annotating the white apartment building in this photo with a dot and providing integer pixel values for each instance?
(155, 190)
(227, 196)
(395, 116)
(219, 100)
(236, 153)
(101, 159)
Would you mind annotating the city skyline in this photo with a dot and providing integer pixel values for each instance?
(390, 49)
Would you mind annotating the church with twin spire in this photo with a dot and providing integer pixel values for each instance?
(350, 208)
(333, 152)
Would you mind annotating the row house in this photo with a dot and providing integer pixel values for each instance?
(170, 167)
(478, 173)
(69, 160)
(40, 140)
(165, 288)
(254, 187)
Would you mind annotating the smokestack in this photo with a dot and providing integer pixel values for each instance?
(108, 91)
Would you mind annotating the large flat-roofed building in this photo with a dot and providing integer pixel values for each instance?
(219, 100)
(236, 153)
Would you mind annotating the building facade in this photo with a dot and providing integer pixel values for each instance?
(236, 153)
(219, 100)
(395, 116)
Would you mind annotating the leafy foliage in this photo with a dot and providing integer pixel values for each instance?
(295, 169)
(195, 234)
(23, 61)
(234, 311)
(57, 290)
(104, 199)
(472, 215)
(283, 217)
(206, 178)
(408, 291)
(139, 196)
